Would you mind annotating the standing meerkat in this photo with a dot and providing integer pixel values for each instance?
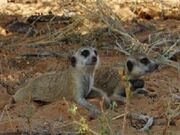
(108, 79)
(75, 83)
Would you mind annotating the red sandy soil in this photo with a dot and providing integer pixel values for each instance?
(15, 72)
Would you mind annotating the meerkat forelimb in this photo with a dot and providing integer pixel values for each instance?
(75, 83)
(108, 79)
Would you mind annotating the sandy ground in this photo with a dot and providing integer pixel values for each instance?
(54, 118)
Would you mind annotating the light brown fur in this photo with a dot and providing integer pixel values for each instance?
(75, 83)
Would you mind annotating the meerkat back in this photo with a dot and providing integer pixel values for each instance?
(107, 78)
(53, 87)
(47, 87)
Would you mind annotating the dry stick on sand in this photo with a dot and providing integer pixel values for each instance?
(9, 118)
(165, 61)
(176, 97)
(135, 116)
(120, 48)
(149, 123)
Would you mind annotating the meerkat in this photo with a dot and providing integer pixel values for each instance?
(108, 79)
(75, 83)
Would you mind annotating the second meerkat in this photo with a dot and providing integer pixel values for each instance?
(108, 79)
(75, 83)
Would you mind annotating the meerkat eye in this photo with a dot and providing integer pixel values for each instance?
(85, 53)
(95, 52)
(145, 61)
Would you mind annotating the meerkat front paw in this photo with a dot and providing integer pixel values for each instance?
(107, 102)
(141, 91)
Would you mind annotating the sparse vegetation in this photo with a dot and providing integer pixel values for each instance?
(40, 37)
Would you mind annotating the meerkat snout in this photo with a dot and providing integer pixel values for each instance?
(94, 59)
(139, 66)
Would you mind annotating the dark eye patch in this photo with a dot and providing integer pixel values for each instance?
(130, 65)
(85, 53)
(95, 52)
(145, 61)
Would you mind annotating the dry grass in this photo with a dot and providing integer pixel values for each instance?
(98, 15)
(84, 29)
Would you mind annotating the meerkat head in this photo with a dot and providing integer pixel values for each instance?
(85, 58)
(139, 65)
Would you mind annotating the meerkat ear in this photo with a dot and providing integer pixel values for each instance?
(73, 61)
(129, 65)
